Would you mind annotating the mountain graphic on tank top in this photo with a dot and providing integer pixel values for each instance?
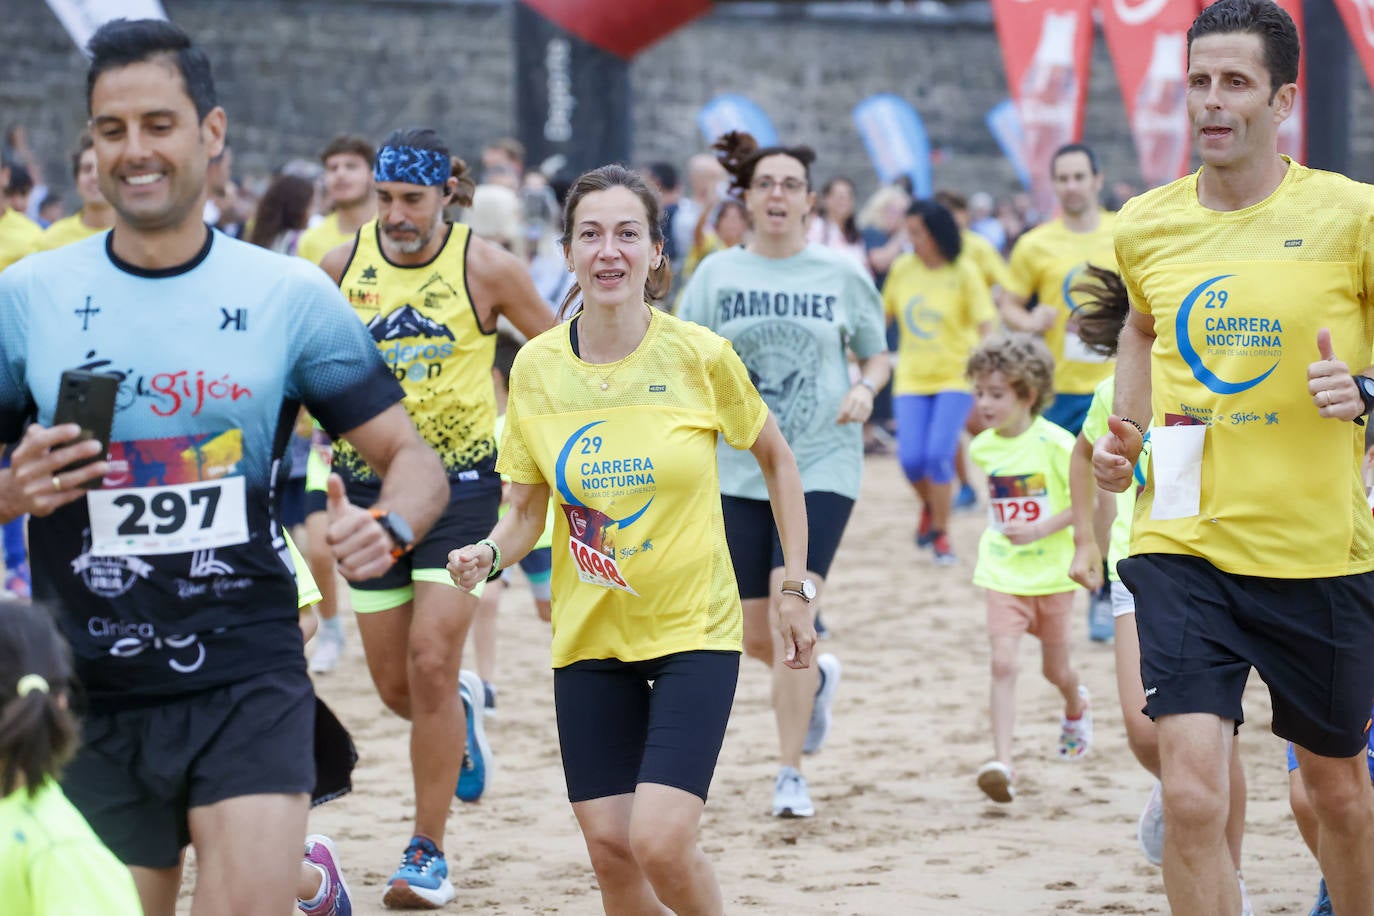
(406, 322)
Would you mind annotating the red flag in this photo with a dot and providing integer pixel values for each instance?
(1148, 40)
(1293, 131)
(1359, 22)
(617, 26)
(1046, 50)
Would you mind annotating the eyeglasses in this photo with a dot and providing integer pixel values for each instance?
(766, 185)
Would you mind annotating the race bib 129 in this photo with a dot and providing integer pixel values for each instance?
(1017, 498)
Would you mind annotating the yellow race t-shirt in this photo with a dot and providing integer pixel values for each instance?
(51, 862)
(426, 327)
(1094, 428)
(545, 539)
(65, 231)
(322, 238)
(1047, 261)
(991, 265)
(1028, 480)
(19, 237)
(937, 313)
(640, 564)
(1237, 299)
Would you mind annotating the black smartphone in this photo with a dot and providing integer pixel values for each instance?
(88, 400)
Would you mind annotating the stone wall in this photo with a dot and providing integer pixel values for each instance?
(293, 74)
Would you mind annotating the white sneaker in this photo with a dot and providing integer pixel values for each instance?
(1150, 830)
(1076, 735)
(328, 650)
(790, 796)
(996, 781)
(829, 667)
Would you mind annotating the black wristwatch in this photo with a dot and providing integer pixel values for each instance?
(398, 529)
(1366, 386)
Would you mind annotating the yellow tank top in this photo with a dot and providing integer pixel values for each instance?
(427, 330)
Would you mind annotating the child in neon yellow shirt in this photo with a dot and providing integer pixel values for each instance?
(51, 862)
(1025, 553)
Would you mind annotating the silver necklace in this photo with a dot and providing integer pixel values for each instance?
(606, 378)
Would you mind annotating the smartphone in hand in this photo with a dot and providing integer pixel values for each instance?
(88, 400)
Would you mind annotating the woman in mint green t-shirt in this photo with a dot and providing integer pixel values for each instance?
(794, 312)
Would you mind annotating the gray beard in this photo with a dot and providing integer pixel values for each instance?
(411, 247)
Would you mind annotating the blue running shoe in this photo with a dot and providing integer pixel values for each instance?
(332, 899)
(965, 498)
(1323, 905)
(421, 883)
(477, 764)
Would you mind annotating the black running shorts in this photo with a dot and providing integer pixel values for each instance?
(140, 771)
(1311, 640)
(755, 549)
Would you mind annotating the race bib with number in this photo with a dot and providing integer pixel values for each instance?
(174, 495)
(1017, 498)
(593, 550)
(1177, 459)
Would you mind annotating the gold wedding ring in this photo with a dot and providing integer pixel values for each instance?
(56, 484)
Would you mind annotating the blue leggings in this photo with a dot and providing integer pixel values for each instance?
(928, 427)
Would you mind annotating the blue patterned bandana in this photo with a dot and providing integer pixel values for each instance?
(411, 165)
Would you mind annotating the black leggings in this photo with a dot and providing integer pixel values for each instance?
(660, 721)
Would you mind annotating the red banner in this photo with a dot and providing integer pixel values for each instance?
(1293, 131)
(622, 28)
(1046, 50)
(1359, 22)
(1148, 40)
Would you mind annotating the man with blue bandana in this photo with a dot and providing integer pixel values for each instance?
(169, 575)
(430, 293)
(1253, 544)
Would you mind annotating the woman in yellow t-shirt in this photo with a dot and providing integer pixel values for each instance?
(616, 414)
(942, 308)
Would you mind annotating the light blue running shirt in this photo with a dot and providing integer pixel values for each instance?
(791, 320)
(168, 579)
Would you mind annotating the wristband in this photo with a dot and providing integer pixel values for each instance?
(868, 383)
(495, 557)
(1138, 428)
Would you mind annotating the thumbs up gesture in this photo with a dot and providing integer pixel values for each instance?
(1115, 454)
(1331, 385)
(360, 543)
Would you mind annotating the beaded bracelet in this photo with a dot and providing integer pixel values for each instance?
(495, 557)
(1138, 428)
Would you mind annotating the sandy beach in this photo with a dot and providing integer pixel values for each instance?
(900, 826)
